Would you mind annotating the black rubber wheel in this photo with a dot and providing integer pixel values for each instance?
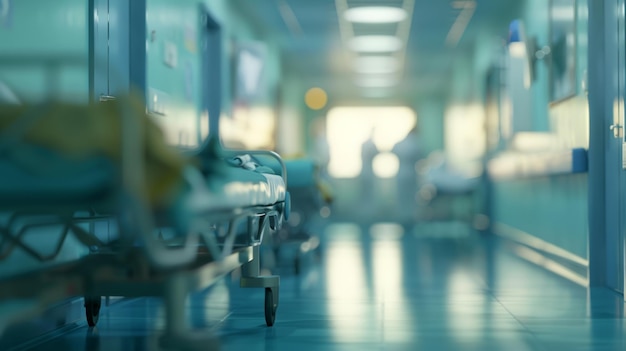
(270, 307)
(92, 310)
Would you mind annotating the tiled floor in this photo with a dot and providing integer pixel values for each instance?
(377, 288)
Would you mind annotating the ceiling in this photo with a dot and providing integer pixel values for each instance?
(313, 39)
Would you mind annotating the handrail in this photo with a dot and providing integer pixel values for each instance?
(514, 165)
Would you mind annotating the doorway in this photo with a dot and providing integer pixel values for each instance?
(211, 57)
(607, 144)
(117, 47)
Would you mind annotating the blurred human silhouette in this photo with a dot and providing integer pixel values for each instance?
(321, 149)
(321, 157)
(409, 152)
(368, 178)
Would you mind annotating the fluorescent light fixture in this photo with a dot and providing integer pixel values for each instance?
(375, 43)
(377, 81)
(376, 64)
(375, 14)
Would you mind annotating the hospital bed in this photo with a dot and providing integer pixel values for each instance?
(310, 197)
(445, 195)
(182, 220)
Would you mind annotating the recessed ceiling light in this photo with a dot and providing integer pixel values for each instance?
(375, 14)
(375, 43)
(376, 64)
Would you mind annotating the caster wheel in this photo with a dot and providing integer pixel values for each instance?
(270, 307)
(92, 310)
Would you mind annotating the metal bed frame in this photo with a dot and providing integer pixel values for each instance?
(306, 203)
(141, 263)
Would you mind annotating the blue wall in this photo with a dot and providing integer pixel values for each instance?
(44, 52)
(535, 16)
(175, 29)
(430, 117)
(44, 49)
(40, 32)
(551, 208)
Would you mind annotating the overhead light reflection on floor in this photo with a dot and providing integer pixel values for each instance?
(217, 302)
(388, 286)
(462, 315)
(387, 266)
(343, 231)
(346, 284)
(386, 231)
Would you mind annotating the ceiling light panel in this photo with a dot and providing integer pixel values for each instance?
(379, 29)
(376, 64)
(375, 43)
(375, 14)
(358, 3)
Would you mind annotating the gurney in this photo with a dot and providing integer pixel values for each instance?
(445, 195)
(183, 220)
(310, 197)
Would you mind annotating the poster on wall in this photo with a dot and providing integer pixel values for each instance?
(563, 49)
(249, 68)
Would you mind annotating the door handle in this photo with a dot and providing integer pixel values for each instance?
(617, 130)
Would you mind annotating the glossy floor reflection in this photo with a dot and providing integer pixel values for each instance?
(380, 288)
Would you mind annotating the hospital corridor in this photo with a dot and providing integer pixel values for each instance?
(375, 290)
(225, 175)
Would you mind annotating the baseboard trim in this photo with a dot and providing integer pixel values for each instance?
(546, 255)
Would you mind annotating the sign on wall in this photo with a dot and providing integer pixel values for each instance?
(6, 10)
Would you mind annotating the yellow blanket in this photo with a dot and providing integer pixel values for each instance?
(83, 131)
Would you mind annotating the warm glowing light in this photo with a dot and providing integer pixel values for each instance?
(375, 14)
(375, 43)
(204, 124)
(535, 141)
(389, 124)
(249, 128)
(386, 165)
(464, 137)
(316, 98)
(182, 130)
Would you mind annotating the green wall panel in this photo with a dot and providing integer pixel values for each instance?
(44, 50)
(553, 209)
